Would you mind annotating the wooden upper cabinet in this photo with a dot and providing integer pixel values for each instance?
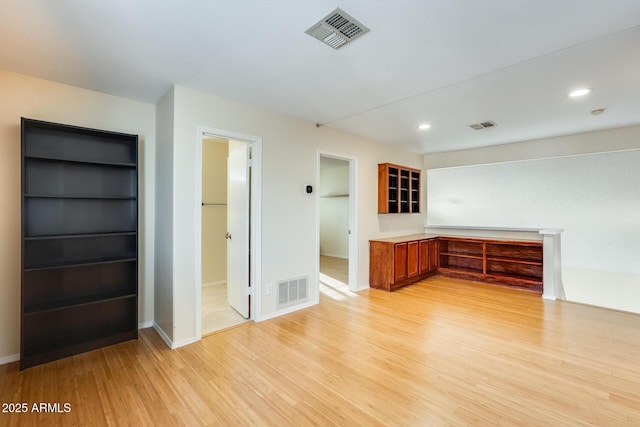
(398, 189)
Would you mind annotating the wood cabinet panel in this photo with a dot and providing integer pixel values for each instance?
(428, 256)
(381, 265)
(433, 255)
(400, 261)
(413, 264)
(424, 256)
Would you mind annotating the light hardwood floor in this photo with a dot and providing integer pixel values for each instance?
(334, 269)
(439, 352)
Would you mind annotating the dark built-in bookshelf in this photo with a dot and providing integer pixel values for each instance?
(79, 240)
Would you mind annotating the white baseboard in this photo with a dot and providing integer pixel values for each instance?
(145, 325)
(218, 282)
(335, 256)
(164, 336)
(9, 359)
(172, 345)
(183, 343)
(288, 310)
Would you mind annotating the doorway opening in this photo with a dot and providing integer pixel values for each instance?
(337, 226)
(217, 309)
(226, 230)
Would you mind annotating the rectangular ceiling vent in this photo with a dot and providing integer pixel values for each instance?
(337, 29)
(483, 125)
(291, 291)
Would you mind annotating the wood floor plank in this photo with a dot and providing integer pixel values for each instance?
(439, 352)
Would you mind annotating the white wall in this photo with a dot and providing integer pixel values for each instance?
(370, 224)
(574, 183)
(29, 97)
(163, 301)
(290, 149)
(334, 207)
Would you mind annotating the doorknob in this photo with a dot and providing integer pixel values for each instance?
(227, 236)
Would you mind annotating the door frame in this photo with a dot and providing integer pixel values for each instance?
(255, 263)
(353, 217)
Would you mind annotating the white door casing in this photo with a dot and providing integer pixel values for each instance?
(255, 192)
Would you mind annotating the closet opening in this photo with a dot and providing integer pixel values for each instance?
(337, 226)
(225, 215)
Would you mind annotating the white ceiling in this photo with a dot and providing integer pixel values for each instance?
(450, 63)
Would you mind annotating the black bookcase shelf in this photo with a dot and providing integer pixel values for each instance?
(79, 264)
(79, 240)
(84, 162)
(48, 196)
(75, 302)
(79, 236)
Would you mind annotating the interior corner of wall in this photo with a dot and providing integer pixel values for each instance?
(163, 335)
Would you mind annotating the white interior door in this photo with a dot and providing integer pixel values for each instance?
(238, 227)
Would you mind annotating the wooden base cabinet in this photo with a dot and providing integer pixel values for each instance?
(513, 263)
(397, 262)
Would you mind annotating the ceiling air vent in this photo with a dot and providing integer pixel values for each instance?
(483, 125)
(337, 29)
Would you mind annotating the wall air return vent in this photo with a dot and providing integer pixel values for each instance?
(483, 125)
(292, 291)
(337, 29)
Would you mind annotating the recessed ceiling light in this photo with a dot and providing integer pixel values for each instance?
(424, 126)
(580, 92)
